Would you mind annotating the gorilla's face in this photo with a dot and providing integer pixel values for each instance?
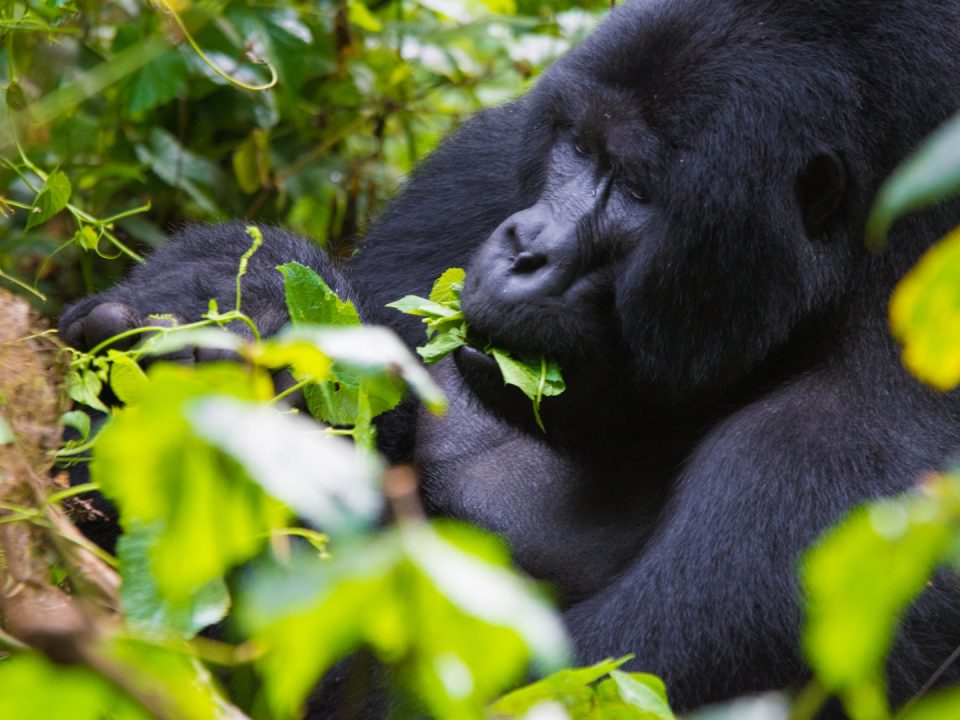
(680, 231)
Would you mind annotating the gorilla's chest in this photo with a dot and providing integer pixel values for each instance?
(572, 521)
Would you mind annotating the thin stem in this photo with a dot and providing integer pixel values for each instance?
(212, 65)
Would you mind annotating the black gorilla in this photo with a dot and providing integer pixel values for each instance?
(676, 213)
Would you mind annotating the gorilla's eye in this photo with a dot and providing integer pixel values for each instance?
(638, 193)
(580, 147)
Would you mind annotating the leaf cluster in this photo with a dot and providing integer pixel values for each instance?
(447, 331)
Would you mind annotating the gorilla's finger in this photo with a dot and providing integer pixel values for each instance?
(102, 323)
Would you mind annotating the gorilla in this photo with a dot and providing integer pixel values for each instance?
(675, 212)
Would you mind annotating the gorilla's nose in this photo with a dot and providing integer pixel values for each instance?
(527, 262)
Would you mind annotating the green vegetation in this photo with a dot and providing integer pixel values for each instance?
(122, 119)
(447, 331)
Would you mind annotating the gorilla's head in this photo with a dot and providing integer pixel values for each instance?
(698, 176)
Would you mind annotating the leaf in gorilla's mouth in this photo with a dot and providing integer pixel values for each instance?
(536, 377)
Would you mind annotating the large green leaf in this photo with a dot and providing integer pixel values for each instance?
(436, 604)
(209, 514)
(325, 480)
(32, 688)
(144, 607)
(860, 577)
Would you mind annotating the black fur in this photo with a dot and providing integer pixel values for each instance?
(676, 212)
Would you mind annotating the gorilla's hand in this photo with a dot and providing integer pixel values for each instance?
(178, 282)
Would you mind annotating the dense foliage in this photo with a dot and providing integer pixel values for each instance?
(122, 119)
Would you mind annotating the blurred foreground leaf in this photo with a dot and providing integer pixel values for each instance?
(33, 688)
(925, 315)
(859, 579)
(325, 480)
(209, 515)
(597, 691)
(145, 609)
(434, 603)
(928, 176)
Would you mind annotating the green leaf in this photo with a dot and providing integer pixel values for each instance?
(937, 706)
(79, 421)
(373, 354)
(362, 17)
(174, 680)
(127, 379)
(251, 161)
(447, 288)
(414, 305)
(435, 604)
(53, 197)
(325, 480)
(567, 686)
(83, 386)
(928, 176)
(626, 696)
(859, 578)
(925, 315)
(210, 514)
(441, 345)
(33, 688)
(87, 238)
(310, 300)
(157, 83)
(144, 608)
(535, 378)
(644, 692)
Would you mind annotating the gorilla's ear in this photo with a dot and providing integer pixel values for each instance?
(820, 188)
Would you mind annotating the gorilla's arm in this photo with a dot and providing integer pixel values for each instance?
(712, 603)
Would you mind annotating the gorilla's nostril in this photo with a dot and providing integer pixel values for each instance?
(528, 262)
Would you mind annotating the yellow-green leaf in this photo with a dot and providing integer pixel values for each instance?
(925, 315)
